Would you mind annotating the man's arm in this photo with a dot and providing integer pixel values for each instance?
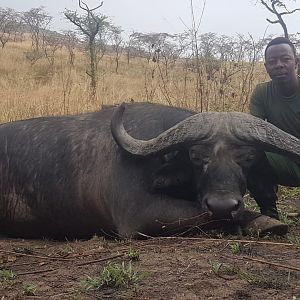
(257, 106)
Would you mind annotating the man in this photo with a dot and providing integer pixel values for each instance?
(278, 102)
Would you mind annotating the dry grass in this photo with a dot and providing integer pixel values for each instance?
(34, 90)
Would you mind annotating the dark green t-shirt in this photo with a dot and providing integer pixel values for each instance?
(283, 112)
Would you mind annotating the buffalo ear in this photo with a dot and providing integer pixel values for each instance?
(161, 178)
(174, 181)
(195, 157)
(175, 172)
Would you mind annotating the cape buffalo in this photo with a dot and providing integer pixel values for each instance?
(75, 176)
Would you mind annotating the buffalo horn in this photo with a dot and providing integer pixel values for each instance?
(238, 127)
(180, 135)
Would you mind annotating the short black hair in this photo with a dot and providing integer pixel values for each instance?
(281, 40)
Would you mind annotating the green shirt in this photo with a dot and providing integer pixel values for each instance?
(283, 112)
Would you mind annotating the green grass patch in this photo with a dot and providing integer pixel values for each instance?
(229, 271)
(114, 275)
(293, 238)
(289, 192)
(251, 204)
(236, 248)
(133, 254)
(287, 219)
(7, 275)
(224, 269)
(29, 290)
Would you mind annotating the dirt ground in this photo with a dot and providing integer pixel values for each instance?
(206, 266)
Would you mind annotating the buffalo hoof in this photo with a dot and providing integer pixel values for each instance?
(263, 225)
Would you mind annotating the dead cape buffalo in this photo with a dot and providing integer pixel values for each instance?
(165, 169)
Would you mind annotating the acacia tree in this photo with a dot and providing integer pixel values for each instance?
(89, 25)
(10, 23)
(52, 42)
(70, 41)
(279, 9)
(38, 21)
(131, 49)
(116, 44)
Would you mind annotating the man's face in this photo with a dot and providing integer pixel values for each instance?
(281, 63)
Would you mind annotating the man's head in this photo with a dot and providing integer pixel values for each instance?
(278, 41)
(281, 61)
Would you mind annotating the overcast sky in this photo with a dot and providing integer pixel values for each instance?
(220, 16)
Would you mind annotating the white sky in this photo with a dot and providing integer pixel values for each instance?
(220, 16)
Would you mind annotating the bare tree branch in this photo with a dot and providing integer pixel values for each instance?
(87, 9)
(267, 6)
(273, 22)
(290, 12)
(273, 6)
(90, 25)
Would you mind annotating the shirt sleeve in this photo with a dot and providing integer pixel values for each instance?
(257, 107)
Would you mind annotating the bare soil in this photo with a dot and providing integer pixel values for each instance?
(207, 266)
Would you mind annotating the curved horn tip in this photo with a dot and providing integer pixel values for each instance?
(119, 110)
(116, 120)
(122, 106)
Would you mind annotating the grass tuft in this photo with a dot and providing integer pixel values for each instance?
(289, 192)
(228, 271)
(236, 248)
(293, 238)
(113, 275)
(133, 254)
(29, 290)
(7, 275)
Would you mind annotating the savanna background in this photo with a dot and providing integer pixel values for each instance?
(43, 72)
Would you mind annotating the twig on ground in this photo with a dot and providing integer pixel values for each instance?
(36, 256)
(220, 240)
(35, 272)
(99, 260)
(265, 262)
(21, 265)
(272, 264)
(86, 253)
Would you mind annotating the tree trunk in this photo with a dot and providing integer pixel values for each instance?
(93, 65)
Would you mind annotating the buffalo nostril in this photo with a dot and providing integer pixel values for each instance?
(222, 207)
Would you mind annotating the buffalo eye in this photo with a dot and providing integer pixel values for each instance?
(250, 158)
(170, 156)
(197, 159)
(247, 160)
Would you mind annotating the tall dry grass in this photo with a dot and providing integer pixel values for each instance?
(40, 89)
